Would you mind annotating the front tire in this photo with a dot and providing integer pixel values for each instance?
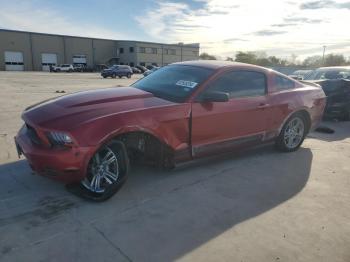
(107, 171)
(292, 134)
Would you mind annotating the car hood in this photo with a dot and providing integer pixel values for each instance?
(69, 111)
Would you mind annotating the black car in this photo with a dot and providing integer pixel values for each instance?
(135, 70)
(148, 72)
(335, 82)
(150, 67)
(142, 68)
(117, 70)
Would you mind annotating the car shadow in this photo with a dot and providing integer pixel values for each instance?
(158, 215)
(341, 131)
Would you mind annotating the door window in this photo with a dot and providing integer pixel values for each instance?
(240, 84)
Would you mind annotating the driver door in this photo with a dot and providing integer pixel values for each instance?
(222, 126)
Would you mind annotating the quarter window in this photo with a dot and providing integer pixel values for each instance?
(283, 83)
(240, 84)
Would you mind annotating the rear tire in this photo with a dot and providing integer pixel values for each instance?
(292, 134)
(107, 171)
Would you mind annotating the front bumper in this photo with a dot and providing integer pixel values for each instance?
(65, 165)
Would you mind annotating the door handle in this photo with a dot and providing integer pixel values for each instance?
(263, 105)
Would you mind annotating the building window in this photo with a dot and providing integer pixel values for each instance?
(142, 50)
(195, 53)
(121, 50)
(154, 50)
(131, 49)
(172, 51)
(166, 51)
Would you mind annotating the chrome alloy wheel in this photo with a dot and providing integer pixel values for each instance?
(103, 170)
(294, 132)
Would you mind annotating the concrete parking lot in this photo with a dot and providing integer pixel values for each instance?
(258, 205)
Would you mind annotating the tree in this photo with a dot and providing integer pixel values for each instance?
(229, 59)
(334, 60)
(248, 57)
(206, 56)
(313, 61)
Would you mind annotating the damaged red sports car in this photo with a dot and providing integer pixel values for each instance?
(180, 112)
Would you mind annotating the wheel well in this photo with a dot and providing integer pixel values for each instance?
(306, 117)
(145, 148)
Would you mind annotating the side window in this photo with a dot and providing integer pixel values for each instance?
(283, 83)
(240, 84)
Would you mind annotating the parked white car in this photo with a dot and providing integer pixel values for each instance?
(63, 68)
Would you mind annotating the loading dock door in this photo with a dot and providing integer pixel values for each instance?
(14, 61)
(48, 60)
(79, 60)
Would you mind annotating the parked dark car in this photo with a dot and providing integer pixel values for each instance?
(142, 68)
(135, 70)
(148, 72)
(117, 70)
(150, 67)
(335, 82)
(300, 74)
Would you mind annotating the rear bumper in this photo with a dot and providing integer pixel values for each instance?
(65, 165)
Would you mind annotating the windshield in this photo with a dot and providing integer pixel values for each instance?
(175, 82)
(331, 73)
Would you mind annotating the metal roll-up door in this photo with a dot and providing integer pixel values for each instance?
(14, 61)
(48, 60)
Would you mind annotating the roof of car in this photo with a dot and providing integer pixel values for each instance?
(216, 64)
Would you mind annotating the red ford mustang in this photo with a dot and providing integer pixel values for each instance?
(181, 112)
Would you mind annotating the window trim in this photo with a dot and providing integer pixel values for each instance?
(207, 85)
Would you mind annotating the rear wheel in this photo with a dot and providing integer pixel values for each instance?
(292, 134)
(107, 171)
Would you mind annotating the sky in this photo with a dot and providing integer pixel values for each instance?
(222, 27)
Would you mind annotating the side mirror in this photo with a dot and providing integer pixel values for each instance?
(215, 96)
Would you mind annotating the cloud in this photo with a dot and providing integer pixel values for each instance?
(268, 32)
(27, 17)
(223, 27)
(304, 20)
(231, 40)
(324, 4)
(284, 25)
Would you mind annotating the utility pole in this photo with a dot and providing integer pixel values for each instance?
(324, 50)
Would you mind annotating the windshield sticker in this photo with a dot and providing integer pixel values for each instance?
(185, 83)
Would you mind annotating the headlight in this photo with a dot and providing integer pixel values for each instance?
(59, 138)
